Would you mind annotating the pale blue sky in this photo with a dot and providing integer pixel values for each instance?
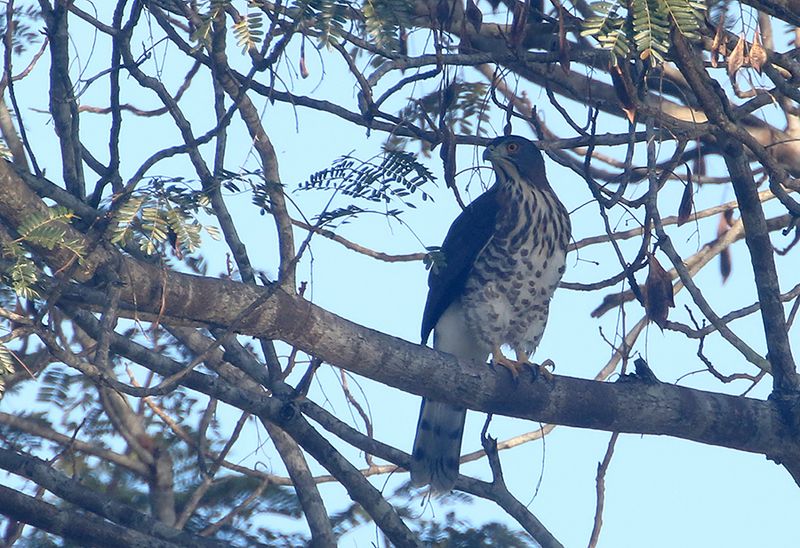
(660, 492)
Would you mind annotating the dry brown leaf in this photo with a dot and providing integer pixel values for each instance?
(520, 21)
(563, 43)
(443, 13)
(718, 44)
(725, 264)
(736, 58)
(403, 39)
(474, 15)
(758, 55)
(447, 152)
(727, 218)
(700, 165)
(687, 202)
(658, 295)
(624, 96)
(725, 261)
(303, 68)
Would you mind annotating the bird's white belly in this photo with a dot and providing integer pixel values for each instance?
(512, 309)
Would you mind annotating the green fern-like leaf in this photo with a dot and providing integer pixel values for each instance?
(384, 19)
(154, 227)
(6, 361)
(160, 212)
(5, 152)
(54, 386)
(651, 29)
(24, 276)
(466, 113)
(6, 367)
(187, 233)
(76, 246)
(330, 17)
(202, 34)
(642, 26)
(608, 28)
(213, 232)
(47, 229)
(398, 175)
(125, 218)
(248, 31)
(686, 16)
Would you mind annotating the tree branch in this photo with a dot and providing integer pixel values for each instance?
(82, 529)
(662, 409)
(72, 491)
(785, 378)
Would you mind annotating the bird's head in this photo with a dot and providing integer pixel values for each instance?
(516, 158)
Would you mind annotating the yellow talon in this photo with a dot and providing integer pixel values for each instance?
(514, 366)
(522, 361)
(543, 369)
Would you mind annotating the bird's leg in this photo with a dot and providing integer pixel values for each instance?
(543, 368)
(514, 366)
(539, 368)
(522, 361)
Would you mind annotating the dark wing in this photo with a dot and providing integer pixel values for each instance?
(467, 236)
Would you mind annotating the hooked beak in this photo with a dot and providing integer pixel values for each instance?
(488, 153)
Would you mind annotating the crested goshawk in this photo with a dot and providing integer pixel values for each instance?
(503, 258)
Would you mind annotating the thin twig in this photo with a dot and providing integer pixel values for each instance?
(602, 468)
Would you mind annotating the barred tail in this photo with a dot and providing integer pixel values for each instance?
(437, 445)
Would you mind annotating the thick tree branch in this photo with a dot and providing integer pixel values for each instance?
(282, 413)
(705, 417)
(82, 529)
(70, 490)
(762, 257)
(785, 379)
(235, 382)
(296, 464)
(306, 488)
(63, 105)
(69, 443)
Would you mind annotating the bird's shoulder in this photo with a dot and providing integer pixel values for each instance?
(465, 239)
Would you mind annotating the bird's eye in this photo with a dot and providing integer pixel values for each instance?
(512, 147)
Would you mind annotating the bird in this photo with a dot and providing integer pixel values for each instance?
(499, 265)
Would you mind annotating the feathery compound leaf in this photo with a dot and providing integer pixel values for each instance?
(247, 31)
(650, 28)
(23, 276)
(608, 28)
(685, 15)
(643, 26)
(202, 34)
(48, 230)
(465, 111)
(187, 233)
(124, 219)
(6, 367)
(327, 16)
(6, 361)
(398, 175)
(159, 213)
(154, 227)
(384, 21)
